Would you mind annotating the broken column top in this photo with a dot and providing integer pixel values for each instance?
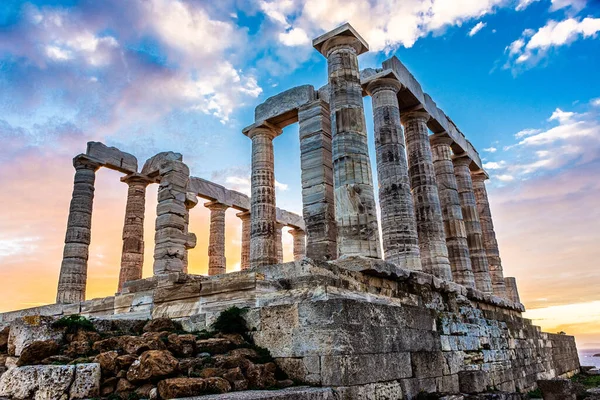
(112, 158)
(345, 30)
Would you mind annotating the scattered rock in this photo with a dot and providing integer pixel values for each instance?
(108, 386)
(124, 386)
(138, 345)
(108, 362)
(231, 361)
(236, 378)
(557, 389)
(26, 330)
(57, 359)
(211, 372)
(109, 344)
(189, 365)
(285, 383)
(152, 365)
(34, 352)
(159, 325)
(144, 390)
(214, 345)
(261, 376)
(124, 362)
(4, 339)
(182, 345)
(184, 387)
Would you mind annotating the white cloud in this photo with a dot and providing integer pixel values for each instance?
(505, 178)
(523, 4)
(596, 102)
(527, 132)
(533, 46)
(575, 5)
(281, 186)
(491, 149)
(561, 116)
(58, 54)
(494, 165)
(294, 37)
(480, 25)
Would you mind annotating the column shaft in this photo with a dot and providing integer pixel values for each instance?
(428, 212)
(318, 207)
(355, 209)
(479, 261)
(216, 240)
(398, 224)
(245, 250)
(263, 249)
(73, 270)
(299, 244)
(454, 226)
(489, 235)
(132, 257)
(279, 242)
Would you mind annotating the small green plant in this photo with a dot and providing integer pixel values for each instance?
(588, 381)
(534, 394)
(231, 320)
(204, 334)
(73, 323)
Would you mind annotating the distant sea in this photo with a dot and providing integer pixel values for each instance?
(586, 357)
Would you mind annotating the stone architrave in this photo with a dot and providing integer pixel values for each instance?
(355, 208)
(398, 224)
(428, 211)
(245, 250)
(132, 257)
(318, 210)
(279, 242)
(479, 261)
(489, 235)
(172, 240)
(512, 292)
(216, 240)
(454, 226)
(299, 243)
(73, 270)
(263, 214)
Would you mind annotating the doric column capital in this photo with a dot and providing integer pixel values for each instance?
(420, 115)
(262, 128)
(216, 206)
(440, 139)
(462, 160)
(85, 162)
(137, 180)
(191, 200)
(279, 226)
(341, 37)
(297, 232)
(378, 84)
(244, 215)
(478, 176)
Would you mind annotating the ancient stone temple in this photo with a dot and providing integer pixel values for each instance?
(414, 301)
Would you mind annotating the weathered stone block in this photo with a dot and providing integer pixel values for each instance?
(367, 368)
(282, 109)
(112, 158)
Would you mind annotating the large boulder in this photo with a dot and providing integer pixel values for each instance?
(4, 339)
(214, 345)
(87, 381)
(26, 330)
(261, 376)
(558, 389)
(182, 345)
(37, 351)
(108, 362)
(22, 382)
(152, 365)
(184, 387)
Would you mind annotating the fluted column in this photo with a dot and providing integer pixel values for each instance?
(479, 261)
(132, 257)
(512, 291)
(398, 224)
(263, 249)
(428, 212)
(454, 226)
(489, 235)
(216, 239)
(299, 243)
(73, 270)
(191, 201)
(355, 209)
(279, 242)
(245, 250)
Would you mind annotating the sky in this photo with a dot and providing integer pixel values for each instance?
(518, 77)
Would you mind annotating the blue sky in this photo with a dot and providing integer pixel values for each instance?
(519, 77)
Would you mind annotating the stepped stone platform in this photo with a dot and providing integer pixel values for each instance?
(363, 327)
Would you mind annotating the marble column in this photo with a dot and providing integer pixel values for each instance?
(263, 250)
(299, 243)
(216, 239)
(132, 257)
(489, 235)
(318, 208)
(512, 292)
(398, 224)
(191, 201)
(355, 209)
(479, 261)
(279, 242)
(245, 250)
(428, 211)
(454, 226)
(73, 270)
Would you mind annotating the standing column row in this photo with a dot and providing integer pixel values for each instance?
(398, 224)
(454, 226)
(489, 235)
(479, 261)
(428, 212)
(73, 270)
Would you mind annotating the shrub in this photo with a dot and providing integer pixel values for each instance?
(73, 323)
(535, 394)
(231, 320)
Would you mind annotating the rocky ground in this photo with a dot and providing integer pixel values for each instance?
(133, 360)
